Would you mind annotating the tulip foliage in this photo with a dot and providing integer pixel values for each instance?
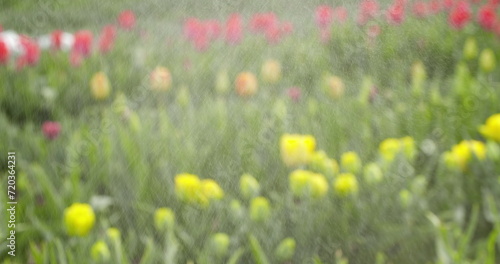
(253, 132)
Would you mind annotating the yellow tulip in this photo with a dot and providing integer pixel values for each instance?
(260, 209)
(189, 188)
(100, 86)
(79, 219)
(491, 130)
(212, 190)
(297, 150)
(164, 219)
(271, 71)
(346, 184)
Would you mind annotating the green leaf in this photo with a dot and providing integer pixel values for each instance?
(258, 253)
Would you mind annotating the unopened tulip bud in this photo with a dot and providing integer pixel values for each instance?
(249, 186)
(487, 60)
(405, 198)
(418, 77)
(334, 86)
(220, 244)
(222, 82)
(285, 250)
(373, 173)
(470, 49)
(100, 252)
(260, 210)
(183, 97)
(164, 219)
(418, 185)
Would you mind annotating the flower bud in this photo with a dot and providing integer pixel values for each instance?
(183, 97)
(346, 184)
(135, 122)
(285, 250)
(220, 244)
(487, 60)
(405, 198)
(222, 82)
(113, 233)
(350, 162)
(373, 173)
(260, 209)
(280, 109)
(334, 86)
(164, 219)
(470, 48)
(249, 186)
(120, 104)
(271, 71)
(418, 77)
(100, 252)
(236, 209)
(418, 185)
(100, 86)
(493, 151)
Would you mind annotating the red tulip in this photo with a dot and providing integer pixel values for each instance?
(487, 17)
(31, 53)
(4, 52)
(234, 29)
(420, 9)
(341, 13)
(435, 6)
(273, 34)
(460, 15)
(107, 38)
(213, 29)
(83, 43)
(368, 10)
(55, 39)
(448, 4)
(260, 23)
(51, 129)
(126, 20)
(395, 14)
(324, 16)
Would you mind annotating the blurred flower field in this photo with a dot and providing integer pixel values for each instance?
(356, 132)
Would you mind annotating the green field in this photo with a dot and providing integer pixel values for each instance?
(362, 149)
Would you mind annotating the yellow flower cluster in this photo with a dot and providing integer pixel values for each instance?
(79, 219)
(306, 183)
(462, 153)
(296, 149)
(391, 147)
(191, 189)
(491, 130)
